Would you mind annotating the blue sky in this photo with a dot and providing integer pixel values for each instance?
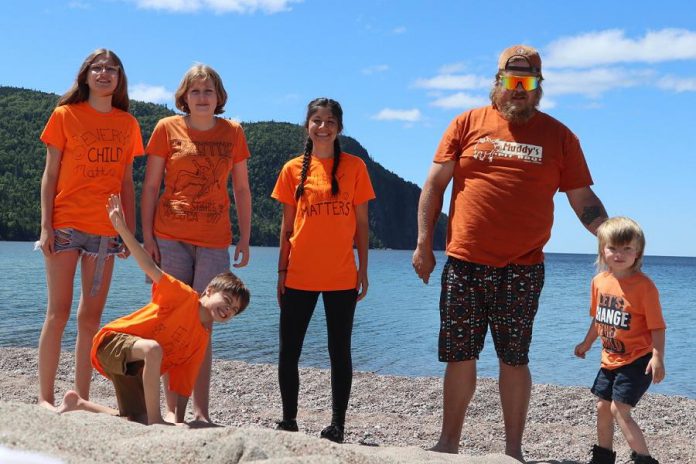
(621, 75)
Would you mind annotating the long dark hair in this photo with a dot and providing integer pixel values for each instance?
(337, 113)
(79, 92)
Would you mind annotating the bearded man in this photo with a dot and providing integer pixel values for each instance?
(507, 161)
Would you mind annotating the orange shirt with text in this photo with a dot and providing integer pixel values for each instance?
(321, 247)
(171, 319)
(625, 311)
(505, 177)
(195, 205)
(95, 150)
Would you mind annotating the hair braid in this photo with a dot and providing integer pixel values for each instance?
(306, 159)
(334, 170)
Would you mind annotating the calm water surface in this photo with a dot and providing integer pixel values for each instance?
(396, 325)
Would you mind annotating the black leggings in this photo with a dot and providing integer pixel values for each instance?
(296, 309)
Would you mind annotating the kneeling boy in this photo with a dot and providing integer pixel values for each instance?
(168, 335)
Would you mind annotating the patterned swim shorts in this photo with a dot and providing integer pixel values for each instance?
(475, 296)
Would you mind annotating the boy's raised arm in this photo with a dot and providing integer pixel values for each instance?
(143, 259)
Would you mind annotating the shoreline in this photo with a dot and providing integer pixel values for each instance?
(394, 411)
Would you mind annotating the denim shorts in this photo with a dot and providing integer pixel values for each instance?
(97, 246)
(194, 265)
(626, 384)
(475, 297)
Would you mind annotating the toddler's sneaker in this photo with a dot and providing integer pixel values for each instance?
(643, 459)
(602, 455)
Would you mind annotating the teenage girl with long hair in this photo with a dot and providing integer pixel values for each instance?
(91, 140)
(188, 230)
(324, 193)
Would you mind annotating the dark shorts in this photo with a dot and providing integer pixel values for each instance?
(126, 376)
(626, 384)
(475, 296)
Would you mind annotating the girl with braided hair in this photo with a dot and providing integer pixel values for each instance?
(324, 193)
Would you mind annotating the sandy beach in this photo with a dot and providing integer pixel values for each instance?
(390, 419)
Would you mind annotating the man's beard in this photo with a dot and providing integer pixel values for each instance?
(516, 112)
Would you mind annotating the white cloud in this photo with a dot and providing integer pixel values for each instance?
(454, 82)
(79, 5)
(460, 100)
(151, 93)
(379, 68)
(399, 30)
(677, 84)
(612, 46)
(218, 6)
(389, 114)
(452, 68)
(591, 82)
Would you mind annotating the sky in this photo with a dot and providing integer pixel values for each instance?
(620, 75)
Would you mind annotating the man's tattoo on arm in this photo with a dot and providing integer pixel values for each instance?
(590, 213)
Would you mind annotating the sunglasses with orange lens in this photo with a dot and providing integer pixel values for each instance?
(529, 83)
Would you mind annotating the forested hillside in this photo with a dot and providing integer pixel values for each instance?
(23, 114)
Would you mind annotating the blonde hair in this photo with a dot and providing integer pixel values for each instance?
(620, 231)
(203, 72)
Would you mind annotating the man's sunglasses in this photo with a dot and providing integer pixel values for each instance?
(529, 83)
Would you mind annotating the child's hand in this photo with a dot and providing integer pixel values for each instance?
(657, 367)
(115, 210)
(581, 349)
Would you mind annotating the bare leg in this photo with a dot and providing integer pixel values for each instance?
(170, 398)
(89, 314)
(60, 273)
(201, 391)
(629, 428)
(459, 386)
(515, 390)
(73, 402)
(151, 352)
(605, 425)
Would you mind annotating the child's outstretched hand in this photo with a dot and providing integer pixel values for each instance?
(115, 210)
(581, 349)
(657, 367)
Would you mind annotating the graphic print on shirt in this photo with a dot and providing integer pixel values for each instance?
(99, 152)
(206, 174)
(611, 317)
(323, 203)
(487, 148)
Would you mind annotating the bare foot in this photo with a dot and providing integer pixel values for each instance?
(46, 404)
(444, 448)
(71, 402)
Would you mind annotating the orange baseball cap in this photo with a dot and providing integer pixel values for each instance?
(527, 53)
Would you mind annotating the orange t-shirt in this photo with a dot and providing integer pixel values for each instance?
(321, 247)
(96, 149)
(625, 311)
(505, 178)
(171, 319)
(195, 204)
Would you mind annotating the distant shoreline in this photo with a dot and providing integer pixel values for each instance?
(400, 411)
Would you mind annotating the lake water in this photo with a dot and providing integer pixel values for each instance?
(396, 325)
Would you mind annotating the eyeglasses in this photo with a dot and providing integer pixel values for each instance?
(529, 83)
(102, 68)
